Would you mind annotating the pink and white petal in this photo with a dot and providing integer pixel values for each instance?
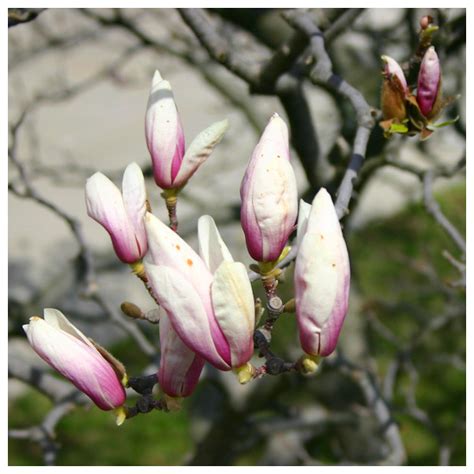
(253, 234)
(105, 205)
(179, 366)
(186, 311)
(199, 151)
(212, 248)
(268, 193)
(134, 200)
(168, 249)
(233, 304)
(322, 276)
(163, 131)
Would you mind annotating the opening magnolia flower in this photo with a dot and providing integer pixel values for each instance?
(120, 213)
(89, 367)
(207, 298)
(172, 167)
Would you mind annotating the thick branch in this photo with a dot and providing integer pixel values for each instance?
(303, 132)
(322, 73)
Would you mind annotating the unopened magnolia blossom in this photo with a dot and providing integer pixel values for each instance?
(207, 298)
(172, 167)
(269, 194)
(120, 213)
(322, 276)
(429, 83)
(72, 354)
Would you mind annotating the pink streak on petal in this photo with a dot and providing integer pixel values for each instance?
(179, 152)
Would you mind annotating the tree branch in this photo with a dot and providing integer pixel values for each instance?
(18, 16)
(217, 47)
(434, 209)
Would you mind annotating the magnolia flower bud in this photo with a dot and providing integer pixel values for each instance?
(425, 21)
(394, 90)
(429, 84)
(180, 368)
(269, 194)
(172, 167)
(66, 349)
(121, 214)
(322, 277)
(208, 299)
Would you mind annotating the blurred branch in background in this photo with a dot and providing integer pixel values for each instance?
(17, 16)
(394, 392)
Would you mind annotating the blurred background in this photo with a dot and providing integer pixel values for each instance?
(78, 87)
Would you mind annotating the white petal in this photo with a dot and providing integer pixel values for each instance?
(211, 246)
(275, 199)
(303, 216)
(55, 318)
(199, 151)
(323, 214)
(167, 248)
(186, 311)
(233, 304)
(175, 375)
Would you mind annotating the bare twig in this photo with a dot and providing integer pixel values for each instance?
(434, 209)
(379, 407)
(218, 48)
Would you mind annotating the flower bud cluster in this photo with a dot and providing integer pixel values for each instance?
(207, 311)
(413, 110)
